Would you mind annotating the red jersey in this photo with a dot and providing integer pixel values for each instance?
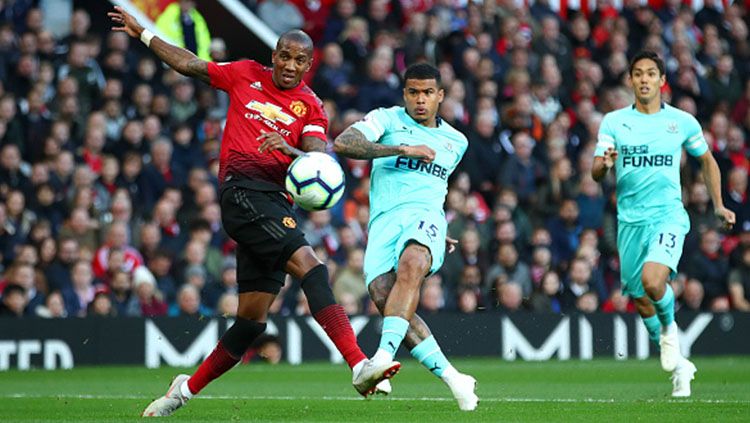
(257, 105)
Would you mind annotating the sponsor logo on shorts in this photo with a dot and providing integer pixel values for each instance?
(289, 222)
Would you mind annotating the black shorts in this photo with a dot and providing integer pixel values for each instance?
(264, 226)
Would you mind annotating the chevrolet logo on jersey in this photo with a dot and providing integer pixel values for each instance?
(270, 112)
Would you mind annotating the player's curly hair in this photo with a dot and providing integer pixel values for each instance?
(422, 71)
(648, 54)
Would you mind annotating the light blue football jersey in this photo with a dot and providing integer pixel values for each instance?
(649, 148)
(398, 181)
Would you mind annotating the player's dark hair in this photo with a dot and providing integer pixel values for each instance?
(422, 71)
(296, 36)
(647, 54)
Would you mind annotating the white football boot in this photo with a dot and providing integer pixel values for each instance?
(366, 378)
(681, 378)
(170, 402)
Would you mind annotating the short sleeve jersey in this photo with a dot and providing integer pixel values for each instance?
(399, 181)
(649, 149)
(256, 106)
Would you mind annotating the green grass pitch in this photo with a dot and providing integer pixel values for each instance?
(592, 391)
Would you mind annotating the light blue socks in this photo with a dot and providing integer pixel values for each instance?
(665, 307)
(394, 330)
(428, 353)
(653, 326)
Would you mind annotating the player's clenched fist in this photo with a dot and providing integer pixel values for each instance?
(421, 152)
(726, 216)
(610, 155)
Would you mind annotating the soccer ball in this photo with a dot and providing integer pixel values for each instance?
(315, 181)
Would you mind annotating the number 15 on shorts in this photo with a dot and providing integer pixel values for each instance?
(431, 230)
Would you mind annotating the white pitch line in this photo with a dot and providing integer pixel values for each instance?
(413, 399)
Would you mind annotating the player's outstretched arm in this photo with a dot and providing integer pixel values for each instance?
(353, 144)
(712, 176)
(179, 59)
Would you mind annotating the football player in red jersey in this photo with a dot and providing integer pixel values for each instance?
(273, 117)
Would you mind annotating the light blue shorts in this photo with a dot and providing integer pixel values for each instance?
(390, 232)
(659, 242)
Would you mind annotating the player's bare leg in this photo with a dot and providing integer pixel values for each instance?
(313, 274)
(425, 349)
(414, 264)
(252, 313)
(654, 278)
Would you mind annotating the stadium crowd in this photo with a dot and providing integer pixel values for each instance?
(108, 161)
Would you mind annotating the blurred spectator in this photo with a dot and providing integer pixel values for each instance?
(184, 26)
(101, 306)
(354, 40)
(149, 299)
(161, 265)
(587, 303)
(509, 297)
(510, 269)
(381, 87)
(485, 156)
(469, 252)
(117, 238)
(522, 172)
(280, 15)
(124, 303)
(565, 230)
(14, 301)
(559, 185)
(80, 294)
(548, 298)
(188, 303)
(432, 298)
(265, 347)
(333, 78)
(350, 279)
(739, 283)
(82, 228)
(227, 306)
(618, 303)
(319, 231)
(577, 283)
(53, 308)
(710, 267)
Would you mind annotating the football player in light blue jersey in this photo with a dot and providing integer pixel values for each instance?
(414, 153)
(644, 143)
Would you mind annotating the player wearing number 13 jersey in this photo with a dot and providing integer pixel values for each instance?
(644, 144)
(414, 153)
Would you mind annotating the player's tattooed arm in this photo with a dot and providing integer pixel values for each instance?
(312, 144)
(353, 144)
(179, 59)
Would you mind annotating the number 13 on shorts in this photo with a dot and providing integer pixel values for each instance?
(668, 240)
(666, 247)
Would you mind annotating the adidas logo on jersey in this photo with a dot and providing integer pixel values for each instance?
(257, 86)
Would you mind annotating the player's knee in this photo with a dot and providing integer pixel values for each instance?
(241, 335)
(653, 277)
(415, 262)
